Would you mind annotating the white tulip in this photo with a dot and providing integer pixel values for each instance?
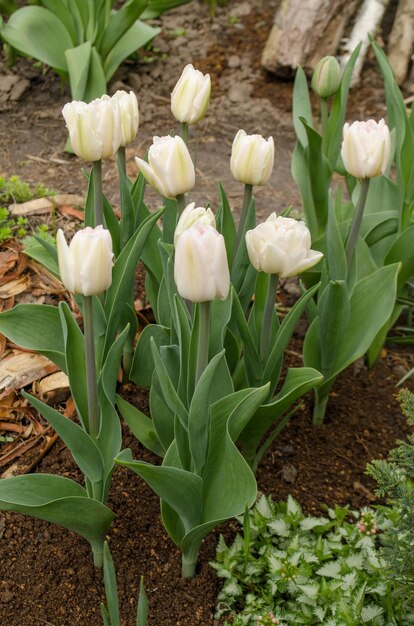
(281, 245)
(201, 271)
(252, 158)
(190, 216)
(128, 114)
(94, 128)
(191, 96)
(366, 148)
(170, 169)
(85, 265)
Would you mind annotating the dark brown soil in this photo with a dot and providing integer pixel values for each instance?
(46, 573)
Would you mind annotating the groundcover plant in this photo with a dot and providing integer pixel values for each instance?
(213, 360)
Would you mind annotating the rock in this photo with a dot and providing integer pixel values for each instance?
(39, 206)
(289, 473)
(241, 10)
(240, 91)
(234, 61)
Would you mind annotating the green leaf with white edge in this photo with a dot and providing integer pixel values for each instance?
(180, 489)
(36, 327)
(139, 35)
(96, 82)
(330, 570)
(298, 381)
(75, 362)
(371, 612)
(122, 276)
(57, 500)
(82, 447)
(141, 426)
(38, 33)
(111, 587)
(78, 61)
(167, 388)
(199, 414)
(120, 22)
(301, 106)
(142, 366)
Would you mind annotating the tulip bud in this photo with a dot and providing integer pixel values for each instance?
(128, 114)
(190, 216)
(191, 96)
(366, 148)
(326, 77)
(201, 271)
(94, 128)
(170, 169)
(252, 158)
(281, 245)
(85, 265)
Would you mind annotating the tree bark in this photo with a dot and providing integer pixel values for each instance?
(400, 44)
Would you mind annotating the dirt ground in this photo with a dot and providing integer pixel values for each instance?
(46, 573)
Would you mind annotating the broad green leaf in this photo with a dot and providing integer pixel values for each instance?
(37, 32)
(180, 489)
(157, 7)
(167, 388)
(143, 364)
(57, 500)
(139, 35)
(78, 61)
(241, 261)
(122, 275)
(141, 426)
(142, 608)
(120, 22)
(319, 175)
(226, 225)
(334, 313)
(64, 14)
(336, 258)
(301, 106)
(82, 447)
(44, 252)
(96, 82)
(75, 362)
(300, 173)
(111, 588)
(36, 327)
(163, 417)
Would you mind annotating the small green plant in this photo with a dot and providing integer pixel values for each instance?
(14, 189)
(291, 569)
(395, 482)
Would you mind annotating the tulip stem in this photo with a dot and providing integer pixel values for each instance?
(180, 203)
(356, 222)
(247, 198)
(203, 339)
(122, 158)
(97, 193)
(269, 311)
(324, 122)
(184, 132)
(91, 377)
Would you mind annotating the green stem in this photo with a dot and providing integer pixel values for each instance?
(122, 158)
(203, 339)
(97, 193)
(97, 551)
(247, 198)
(356, 222)
(324, 123)
(269, 311)
(91, 376)
(188, 565)
(180, 203)
(184, 132)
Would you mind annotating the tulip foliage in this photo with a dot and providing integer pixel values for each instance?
(84, 42)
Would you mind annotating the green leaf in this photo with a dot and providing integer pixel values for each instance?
(78, 61)
(157, 7)
(167, 388)
(57, 500)
(43, 252)
(301, 106)
(111, 588)
(36, 327)
(120, 22)
(96, 83)
(139, 35)
(38, 33)
(226, 225)
(82, 447)
(65, 15)
(334, 314)
(141, 426)
(75, 362)
(319, 175)
(142, 608)
(142, 366)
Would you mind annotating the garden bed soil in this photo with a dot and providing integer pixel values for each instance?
(46, 573)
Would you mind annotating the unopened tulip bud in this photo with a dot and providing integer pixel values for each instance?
(190, 216)
(170, 169)
(366, 148)
(191, 96)
(252, 158)
(326, 77)
(94, 128)
(281, 245)
(85, 265)
(201, 271)
(128, 115)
